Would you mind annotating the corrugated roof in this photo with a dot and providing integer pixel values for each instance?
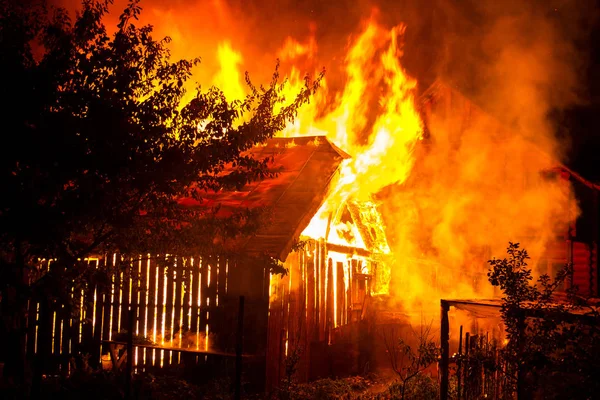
(306, 166)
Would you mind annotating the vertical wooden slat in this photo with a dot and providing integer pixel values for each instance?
(151, 327)
(203, 297)
(329, 321)
(169, 300)
(178, 298)
(135, 295)
(87, 332)
(106, 303)
(195, 274)
(106, 322)
(169, 279)
(44, 338)
(321, 274)
(98, 324)
(116, 299)
(56, 337)
(31, 327)
(75, 322)
(160, 313)
(126, 277)
(311, 305)
(134, 301)
(221, 282)
(152, 297)
(322, 269)
(186, 307)
(211, 318)
(177, 306)
(143, 288)
(150, 300)
(217, 320)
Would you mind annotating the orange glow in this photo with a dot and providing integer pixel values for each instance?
(387, 156)
(449, 203)
(229, 78)
(206, 338)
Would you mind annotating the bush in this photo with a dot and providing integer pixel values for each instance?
(421, 387)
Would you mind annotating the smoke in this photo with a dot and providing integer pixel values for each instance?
(520, 60)
(477, 184)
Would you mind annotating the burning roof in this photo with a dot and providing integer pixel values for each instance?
(306, 166)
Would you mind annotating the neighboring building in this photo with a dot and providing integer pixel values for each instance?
(576, 243)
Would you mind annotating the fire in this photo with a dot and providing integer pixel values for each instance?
(229, 78)
(386, 156)
(374, 117)
(449, 205)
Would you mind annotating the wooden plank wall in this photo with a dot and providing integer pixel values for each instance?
(585, 260)
(295, 309)
(190, 305)
(301, 309)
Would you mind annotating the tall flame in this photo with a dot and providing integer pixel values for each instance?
(443, 209)
(379, 128)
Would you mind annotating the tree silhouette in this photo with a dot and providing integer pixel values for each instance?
(99, 147)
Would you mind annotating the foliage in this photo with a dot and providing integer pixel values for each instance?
(108, 385)
(553, 348)
(479, 369)
(346, 388)
(286, 389)
(408, 363)
(422, 387)
(102, 147)
(165, 388)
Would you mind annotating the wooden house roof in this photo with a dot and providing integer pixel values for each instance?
(305, 168)
(440, 89)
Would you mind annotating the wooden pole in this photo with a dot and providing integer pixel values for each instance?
(444, 342)
(468, 381)
(238, 351)
(459, 361)
(129, 360)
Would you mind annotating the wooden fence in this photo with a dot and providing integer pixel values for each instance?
(480, 371)
(178, 304)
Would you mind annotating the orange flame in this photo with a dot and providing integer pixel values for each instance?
(457, 204)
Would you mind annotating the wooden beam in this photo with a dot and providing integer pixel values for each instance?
(348, 250)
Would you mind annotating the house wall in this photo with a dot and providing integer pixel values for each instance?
(584, 239)
(577, 243)
(311, 311)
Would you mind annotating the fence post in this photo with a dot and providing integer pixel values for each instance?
(129, 360)
(444, 342)
(238, 350)
(459, 362)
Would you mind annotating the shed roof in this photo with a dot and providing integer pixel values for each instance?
(490, 308)
(306, 166)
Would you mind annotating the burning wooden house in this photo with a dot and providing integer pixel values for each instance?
(188, 309)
